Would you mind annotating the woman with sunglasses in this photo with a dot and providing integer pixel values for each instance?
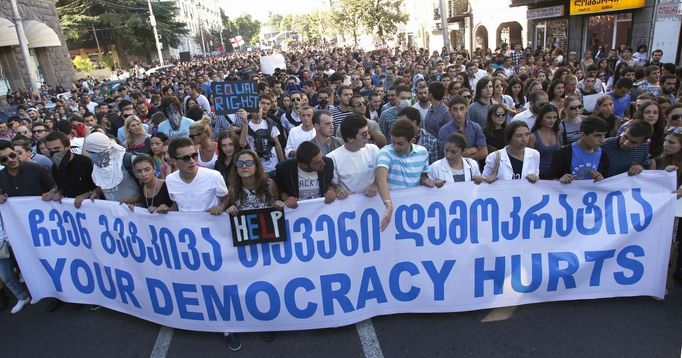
(250, 188)
(571, 119)
(499, 97)
(200, 133)
(494, 130)
(674, 116)
(545, 137)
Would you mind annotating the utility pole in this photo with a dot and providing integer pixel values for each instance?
(444, 26)
(152, 20)
(94, 32)
(23, 43)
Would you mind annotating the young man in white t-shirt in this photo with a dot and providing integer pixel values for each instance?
(267, 147)
(355, 162)
(192, 187)
(303, 132)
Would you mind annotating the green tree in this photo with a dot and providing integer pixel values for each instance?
(248, 27)
(349, 14)
(125, 23)
(383, 16)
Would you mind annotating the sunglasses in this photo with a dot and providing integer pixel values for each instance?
(296, 99)
(360, 104)
(9, 156)
(573, 108)
(676, 117)
(188, 157)
(500, 114)
(195, 135)
(244, 163)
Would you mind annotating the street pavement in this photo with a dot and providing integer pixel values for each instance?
(616, 327)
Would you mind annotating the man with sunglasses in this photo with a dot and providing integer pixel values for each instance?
(192, 187)
(19, 178)
(292, 118)
(536, 100)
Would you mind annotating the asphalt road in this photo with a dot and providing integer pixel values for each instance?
(618, 327)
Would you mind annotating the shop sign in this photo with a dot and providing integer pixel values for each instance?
(545, 12)
(582, 7)
(670, 10)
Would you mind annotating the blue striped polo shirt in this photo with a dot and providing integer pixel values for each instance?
(404, 170)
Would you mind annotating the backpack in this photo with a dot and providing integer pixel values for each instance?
(263, 141)
(291, 119)
(128, 163)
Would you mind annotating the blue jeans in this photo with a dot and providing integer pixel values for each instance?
(10, 279)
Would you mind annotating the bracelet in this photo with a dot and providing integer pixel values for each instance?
(387, 201)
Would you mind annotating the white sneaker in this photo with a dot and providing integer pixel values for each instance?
(35, 300)
(20, 304)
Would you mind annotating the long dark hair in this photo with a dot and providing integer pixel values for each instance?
(547, 108)
(490, 125)
(480, 85)
(657, 138)
(236, 191)
(521, 98)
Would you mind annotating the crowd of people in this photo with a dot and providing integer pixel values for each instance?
(341, 121)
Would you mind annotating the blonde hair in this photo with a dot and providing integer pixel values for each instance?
(128, 136)
(204, 124)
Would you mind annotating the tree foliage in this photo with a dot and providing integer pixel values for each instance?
(244, 25)
(374, 16)
(126, 23)
(384, 16)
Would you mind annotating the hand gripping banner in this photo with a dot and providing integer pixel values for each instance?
(458, 248)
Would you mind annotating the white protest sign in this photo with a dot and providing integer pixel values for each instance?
(458, 248)
(268, 64)
(590, 101)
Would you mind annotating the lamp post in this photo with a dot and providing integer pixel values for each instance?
(23, 43)
(152, 20)
(201, 30)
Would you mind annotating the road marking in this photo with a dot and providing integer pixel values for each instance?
(163, 341)
(369, 340)
(499, 314)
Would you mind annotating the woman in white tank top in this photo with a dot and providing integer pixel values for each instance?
(200, 133)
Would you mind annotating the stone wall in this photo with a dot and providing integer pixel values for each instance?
(55, 61)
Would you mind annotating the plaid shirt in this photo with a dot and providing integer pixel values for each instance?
(516, 57)
(429, 142)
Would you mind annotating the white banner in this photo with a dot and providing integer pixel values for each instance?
(462, 247)
(268, 64)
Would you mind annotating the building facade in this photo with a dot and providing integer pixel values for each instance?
(49, 60)
(582, 25)
(471, 24)
(199, 16)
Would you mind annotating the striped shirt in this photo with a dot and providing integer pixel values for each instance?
(620, 160)
(404, 170)
(338, 116)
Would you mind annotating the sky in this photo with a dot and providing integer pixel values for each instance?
(259, 8)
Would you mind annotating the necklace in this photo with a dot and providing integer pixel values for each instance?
(147, 200)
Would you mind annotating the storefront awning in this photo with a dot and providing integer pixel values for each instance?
(8, 33)
(39, 34)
